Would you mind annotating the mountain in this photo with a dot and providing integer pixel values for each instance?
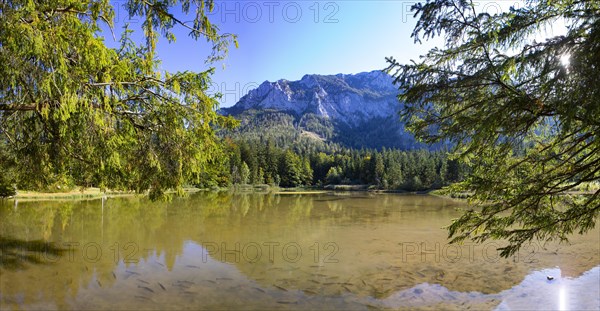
(359, 110)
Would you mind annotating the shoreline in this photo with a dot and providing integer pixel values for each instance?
(95, 193)
(76, 195)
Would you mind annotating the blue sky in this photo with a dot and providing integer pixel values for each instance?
(288, 39)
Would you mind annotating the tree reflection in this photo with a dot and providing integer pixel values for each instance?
(16, 253)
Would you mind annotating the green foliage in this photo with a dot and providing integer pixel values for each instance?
(291, 170)
(311, 131)
(525, 121)
(73, 111)
(6, 188)
(390, 169)
(333, 176)
(244, 173)
(216, 174)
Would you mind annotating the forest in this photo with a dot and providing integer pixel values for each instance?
(248, 160)
(263, 162)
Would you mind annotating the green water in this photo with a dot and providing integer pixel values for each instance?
(254, 251)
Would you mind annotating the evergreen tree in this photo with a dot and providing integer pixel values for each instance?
(244, 174)
(291, 171)
(73, 110)
(307, 173)
(525, 120)
(377, 168)
(333, 176)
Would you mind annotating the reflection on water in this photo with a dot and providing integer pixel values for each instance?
(222, 251)
(535, 292)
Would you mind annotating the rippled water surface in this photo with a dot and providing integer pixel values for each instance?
(264, 251)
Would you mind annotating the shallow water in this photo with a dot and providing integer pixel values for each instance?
(322, 251)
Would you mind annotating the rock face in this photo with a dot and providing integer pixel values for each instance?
(350, 99)
(359, 110)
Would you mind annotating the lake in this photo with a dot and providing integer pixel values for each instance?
(344, 251)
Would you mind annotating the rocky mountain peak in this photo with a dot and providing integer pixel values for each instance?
(346, 98)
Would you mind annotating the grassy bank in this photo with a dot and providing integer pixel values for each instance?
(87, 193)
(580, 190)
(78, 194)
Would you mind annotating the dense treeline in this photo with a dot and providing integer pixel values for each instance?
(263, 162)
